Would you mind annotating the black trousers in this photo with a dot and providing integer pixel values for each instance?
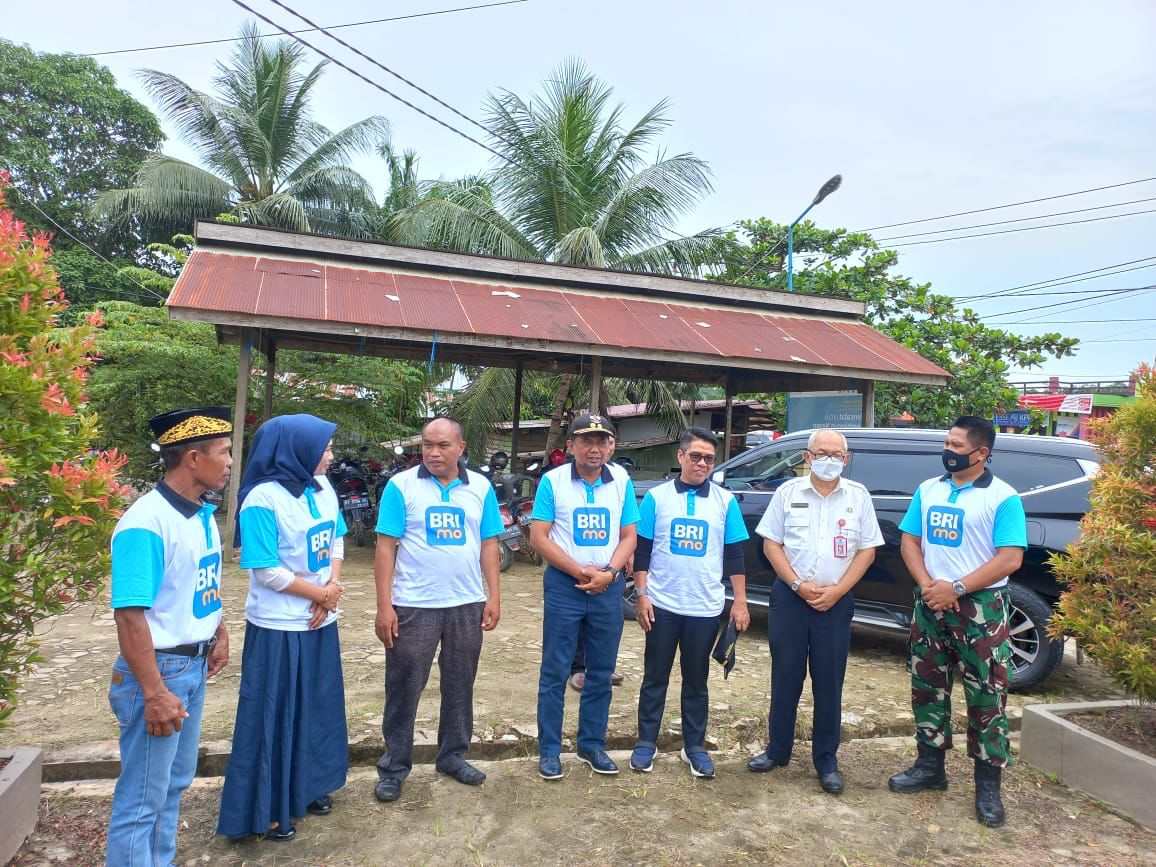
(693, 638)
(407, 665)
(803, 638)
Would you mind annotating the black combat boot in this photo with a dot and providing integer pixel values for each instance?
(927, 773)
(988, 806)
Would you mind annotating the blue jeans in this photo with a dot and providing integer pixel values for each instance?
(154, 771)
(567, 611)
(693, 637)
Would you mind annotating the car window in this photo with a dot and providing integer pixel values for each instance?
(1027, 472)
(764, 470)
(893, 474)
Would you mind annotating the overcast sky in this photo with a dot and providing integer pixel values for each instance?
(924, 108)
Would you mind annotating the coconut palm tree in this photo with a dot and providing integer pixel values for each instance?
(574, 185)
(264, 160)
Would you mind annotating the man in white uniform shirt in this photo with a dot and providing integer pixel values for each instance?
(820, 534)
(437, 528)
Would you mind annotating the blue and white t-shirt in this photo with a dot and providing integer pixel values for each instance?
(586, 517)
(166, 558)
(297, 533)
(689, 527)
(960, 528)
(439, 556)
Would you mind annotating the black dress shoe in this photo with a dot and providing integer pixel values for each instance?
(762, 763)
(280, 835)
(323, 806)
(387, 790)
(831, 782)
(465, 773)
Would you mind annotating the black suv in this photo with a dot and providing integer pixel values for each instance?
(1052, 475)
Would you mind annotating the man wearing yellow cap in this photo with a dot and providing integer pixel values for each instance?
(166, 572)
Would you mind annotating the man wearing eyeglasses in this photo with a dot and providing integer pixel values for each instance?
(690, 534)
(820, 534)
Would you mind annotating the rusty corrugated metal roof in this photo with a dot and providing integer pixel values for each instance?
(254, 290)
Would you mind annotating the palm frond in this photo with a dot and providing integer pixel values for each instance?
(167, 189)
(485, 402)
(685, 257)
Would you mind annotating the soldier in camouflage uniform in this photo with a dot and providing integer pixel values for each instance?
(964, 533)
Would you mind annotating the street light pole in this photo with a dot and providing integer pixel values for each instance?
(824, 191)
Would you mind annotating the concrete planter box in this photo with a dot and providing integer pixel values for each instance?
(1112, 773)
(19, 798)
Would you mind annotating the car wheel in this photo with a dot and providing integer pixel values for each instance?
(1035, 654)
(628, 599)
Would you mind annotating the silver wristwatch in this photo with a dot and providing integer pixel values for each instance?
(958, 588)
(795, 587)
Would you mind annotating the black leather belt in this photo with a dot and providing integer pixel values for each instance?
(193, 650)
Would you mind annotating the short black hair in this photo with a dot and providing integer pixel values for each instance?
(171, 456)
(457, 424)
(980, 431)
(697, 433)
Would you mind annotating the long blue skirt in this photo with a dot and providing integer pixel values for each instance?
(290, 743)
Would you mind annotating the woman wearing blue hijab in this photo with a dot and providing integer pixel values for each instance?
(290, 745)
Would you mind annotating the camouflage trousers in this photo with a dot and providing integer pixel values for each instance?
(973, 639)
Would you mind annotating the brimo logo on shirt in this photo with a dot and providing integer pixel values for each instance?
(945, 526)
(688, 537)
(320, 545)
(445, 525)
(207, 597)
(591, 526)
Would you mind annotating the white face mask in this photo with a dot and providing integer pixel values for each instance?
(827, 469)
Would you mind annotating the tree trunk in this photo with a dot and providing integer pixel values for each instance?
(553, 436)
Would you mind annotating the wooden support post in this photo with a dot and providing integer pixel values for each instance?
(244, 366)
(517, 417)
(595, 382)
(868, 403)
(270, 376)
(729, 419)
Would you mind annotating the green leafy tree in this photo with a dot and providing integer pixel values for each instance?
(1110, 603)
(67, 133)
(59, 499)
(852, 265)
(575, 185)
(264, 159)
(150, 364)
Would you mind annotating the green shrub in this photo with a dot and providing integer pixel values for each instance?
(1110, 603)
(59, 499)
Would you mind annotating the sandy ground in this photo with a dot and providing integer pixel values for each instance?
(662, 818)
(665, 817)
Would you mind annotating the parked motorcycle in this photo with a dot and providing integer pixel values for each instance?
(510, 540)
(521, 504)
(348, 477)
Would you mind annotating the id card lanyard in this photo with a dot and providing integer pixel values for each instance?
(840, 541)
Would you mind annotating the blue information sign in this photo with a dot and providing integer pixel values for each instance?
(815, 409)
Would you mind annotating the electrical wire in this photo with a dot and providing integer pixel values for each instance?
(1009, 205)
(103, 258)
(1018, 219)
(314, 26)
(371, 82)
(1083, 304)
(1059, 281)
(1010, 231)
(996, 321)
(331, 27)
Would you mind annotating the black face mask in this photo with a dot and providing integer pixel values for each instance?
(954, 462)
